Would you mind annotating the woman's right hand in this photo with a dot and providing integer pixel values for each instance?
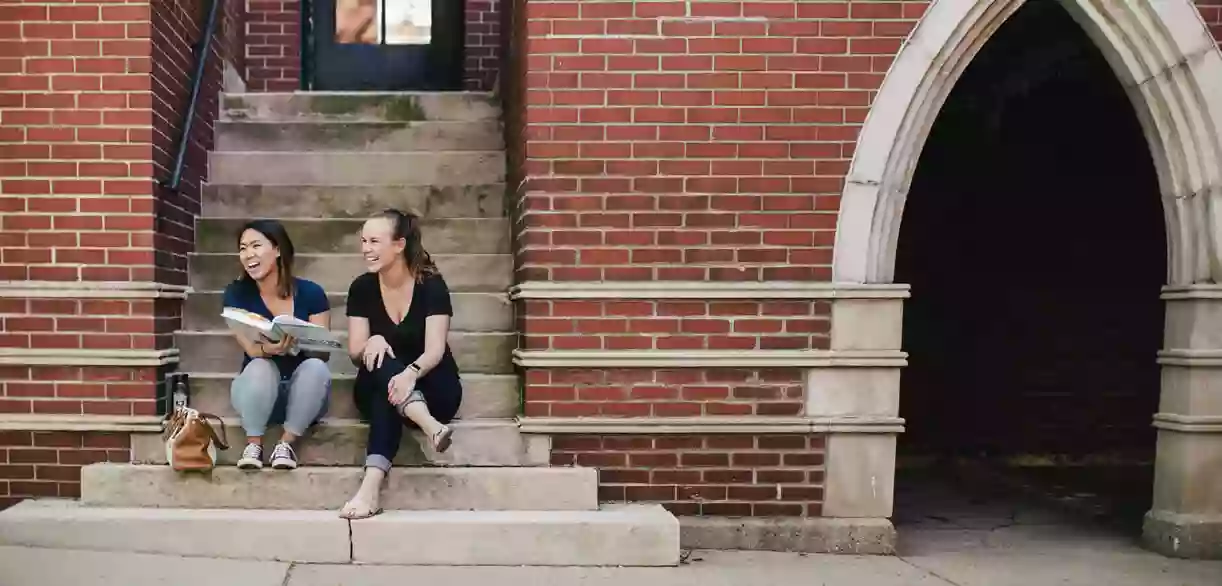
(278, 348)
(375, 349)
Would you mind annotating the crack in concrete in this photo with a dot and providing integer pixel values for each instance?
(288, 574)
(928, 571)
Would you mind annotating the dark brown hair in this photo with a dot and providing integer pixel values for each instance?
(406, 225)
(279, 237)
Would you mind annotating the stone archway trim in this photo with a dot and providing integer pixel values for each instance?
(1160, 50)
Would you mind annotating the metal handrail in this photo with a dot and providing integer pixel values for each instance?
(197, 81)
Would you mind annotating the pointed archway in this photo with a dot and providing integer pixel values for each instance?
(1171, 67)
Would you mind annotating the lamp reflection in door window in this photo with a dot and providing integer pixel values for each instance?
(389, 22)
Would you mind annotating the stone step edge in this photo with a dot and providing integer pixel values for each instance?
(355, 255)
(410, 488)
(214, 375)
(627, 535)
(344, 293)
(303, 219)
(359, 122)
(344, 333)
(362, 94)
(442, 152)
(500, 184)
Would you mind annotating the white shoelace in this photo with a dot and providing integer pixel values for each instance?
(283, 450)
(252, 451)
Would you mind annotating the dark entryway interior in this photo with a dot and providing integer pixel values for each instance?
(1034, 242)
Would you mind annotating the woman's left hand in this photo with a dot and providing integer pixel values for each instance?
(401, 385)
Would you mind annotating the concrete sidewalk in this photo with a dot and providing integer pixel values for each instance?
(958, 558)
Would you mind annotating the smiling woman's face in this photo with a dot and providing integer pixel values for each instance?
(378, 245)
(258, 255)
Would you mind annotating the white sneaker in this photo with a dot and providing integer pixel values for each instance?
(283, 457)
(252, 457)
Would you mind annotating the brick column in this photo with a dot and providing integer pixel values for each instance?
(91, 249)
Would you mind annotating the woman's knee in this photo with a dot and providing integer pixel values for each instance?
(260, 376)
(313, 370)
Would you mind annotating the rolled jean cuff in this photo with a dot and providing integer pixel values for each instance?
(377, 461)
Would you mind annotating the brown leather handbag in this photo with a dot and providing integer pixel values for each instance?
(191, 441)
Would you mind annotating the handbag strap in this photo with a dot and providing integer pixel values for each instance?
(222, 441)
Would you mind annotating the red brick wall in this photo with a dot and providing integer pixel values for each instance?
(663, 393)
(732, 475)
(1211, 11)
(176, 30)
(710, 145)
(274, 45)
(483, 44)
(666, 146)
(674, 324)
(75, 183)
(48, 464)
(90, 106)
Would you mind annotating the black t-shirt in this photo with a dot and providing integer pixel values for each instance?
(431, 297)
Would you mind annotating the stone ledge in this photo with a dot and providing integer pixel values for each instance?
(1187, 357)
(1188, 423)
(86, 357)
(114, 423)
(708, 358)
(92, 290)
(1198, 291)
(704, 290)
(709, 425)
(1183, 536)
(865, 536)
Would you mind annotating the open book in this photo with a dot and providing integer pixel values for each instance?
(309, 337)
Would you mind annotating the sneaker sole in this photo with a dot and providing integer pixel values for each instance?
(284, 465)
(248, 465)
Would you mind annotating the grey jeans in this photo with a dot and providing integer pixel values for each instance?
(261, 397)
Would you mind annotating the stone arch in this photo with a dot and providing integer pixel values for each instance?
(1160, 50)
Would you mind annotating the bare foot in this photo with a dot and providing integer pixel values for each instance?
(364, 503)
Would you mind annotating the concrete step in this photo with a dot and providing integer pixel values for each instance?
(475, 352)
(353, 201)
(441, 236)
(367, 106)
(341, 442)
(473, 312)
(616, 535)
(244, 135)
(485, 396)
(488, 273)
(348, 168)
(319, 488)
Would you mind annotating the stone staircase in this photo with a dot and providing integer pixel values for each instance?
(322, 163)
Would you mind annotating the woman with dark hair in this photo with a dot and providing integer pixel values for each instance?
(398, 319)
(278, 384)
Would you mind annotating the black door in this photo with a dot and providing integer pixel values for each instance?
(371, 45)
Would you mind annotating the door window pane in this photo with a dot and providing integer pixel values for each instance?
(390, 22)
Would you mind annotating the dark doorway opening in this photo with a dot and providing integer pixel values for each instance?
(1034, 242)
(384, 45)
